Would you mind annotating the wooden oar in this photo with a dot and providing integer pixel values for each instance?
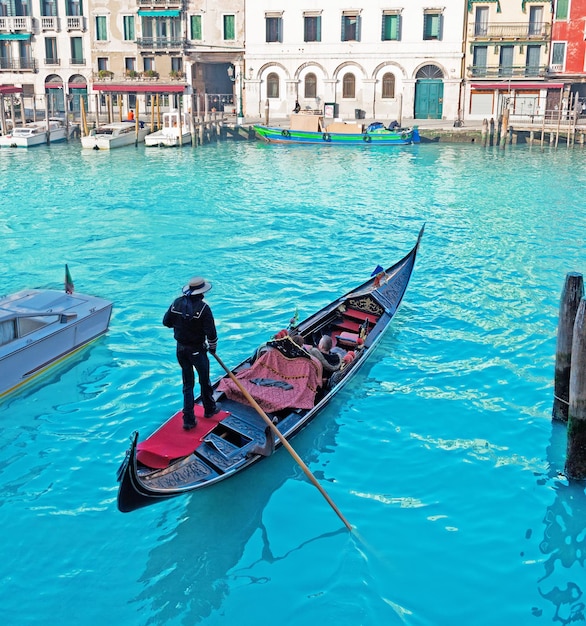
(287, 445)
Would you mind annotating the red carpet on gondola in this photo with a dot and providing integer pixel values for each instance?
(171, 441)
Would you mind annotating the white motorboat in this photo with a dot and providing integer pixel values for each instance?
(115, 135)
(41, 327)
(35, 134)
(175, 131)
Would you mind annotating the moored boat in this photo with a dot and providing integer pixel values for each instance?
(286, 385)
(35, 134)
(41, 327)
(115, 135)
(174, 132)
(310, 129)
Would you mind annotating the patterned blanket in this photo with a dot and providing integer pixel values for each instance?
(277, 382)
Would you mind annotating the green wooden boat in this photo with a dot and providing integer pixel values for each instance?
(376, 134)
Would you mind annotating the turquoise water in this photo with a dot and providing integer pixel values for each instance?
(441, 452)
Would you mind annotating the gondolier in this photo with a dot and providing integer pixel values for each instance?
(194, 329)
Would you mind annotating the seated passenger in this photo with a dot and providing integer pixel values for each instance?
(298, 339)
(323, 353)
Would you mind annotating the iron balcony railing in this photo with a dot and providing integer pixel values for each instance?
(22, 64)
(492, 31)
(160, 4)
(161, 43)
(506, 71)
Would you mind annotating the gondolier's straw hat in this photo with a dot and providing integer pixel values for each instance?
(196, 285)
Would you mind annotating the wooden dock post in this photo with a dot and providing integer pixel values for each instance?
(492, 131)
(48, 138)
(576, 449)
(504, 128)
(484, 132)
(3, 116)
(572, 294)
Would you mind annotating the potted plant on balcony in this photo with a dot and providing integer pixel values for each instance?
(151, 74)
(105, 75)
(132, 74)
(176, 75)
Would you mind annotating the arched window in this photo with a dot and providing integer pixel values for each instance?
(388, 85)
(349, 86)
(273, 85)
(430, 71)
(310, 86)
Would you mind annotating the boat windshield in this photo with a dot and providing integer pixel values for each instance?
(28, 325)
(7, 332)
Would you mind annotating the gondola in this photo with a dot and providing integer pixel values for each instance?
(281, 382)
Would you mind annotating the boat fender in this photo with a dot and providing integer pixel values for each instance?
(285, 133)
(404, 135)
(367, 138)
(326, 137)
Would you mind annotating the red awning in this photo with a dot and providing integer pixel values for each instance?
(516, 86)
(154, 88)
(8, 89)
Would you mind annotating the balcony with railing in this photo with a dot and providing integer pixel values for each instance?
(161, 43)
(513, 31)
(159, 4)
(14, 24)
(76, 22)
(49, 22)
(22, 64)
(507, 71)
(134, 77)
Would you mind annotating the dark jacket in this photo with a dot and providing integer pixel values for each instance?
(192, 322)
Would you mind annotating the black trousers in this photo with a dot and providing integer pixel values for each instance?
(189, 359)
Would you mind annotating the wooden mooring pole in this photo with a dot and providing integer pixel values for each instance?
(576, 450)
(484, 132)
(571, 296)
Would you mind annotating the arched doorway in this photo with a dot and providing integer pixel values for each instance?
(54, 95)
(429, 93)
(77, 92)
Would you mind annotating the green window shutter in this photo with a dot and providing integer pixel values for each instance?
(101, 32)
(229, 27)
(76, 48)
(196, 27)
(561, 10)
(390, 31)
(432, 26)
(129, 28)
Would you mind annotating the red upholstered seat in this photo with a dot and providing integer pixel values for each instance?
(348, 339)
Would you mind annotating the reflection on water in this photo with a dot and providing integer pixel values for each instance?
(190, 571)
(564, 540)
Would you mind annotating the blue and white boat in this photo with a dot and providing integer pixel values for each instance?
(41, 327)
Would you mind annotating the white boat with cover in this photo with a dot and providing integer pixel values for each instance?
(175, 131)
(41, 327)
(35, 134)
(115, 135)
